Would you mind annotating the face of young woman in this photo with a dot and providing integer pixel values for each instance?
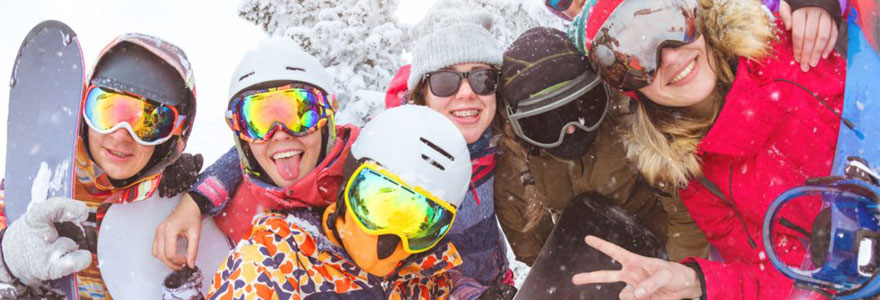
(470, 112)
(118, 154)
(685, 77)
(286, 158)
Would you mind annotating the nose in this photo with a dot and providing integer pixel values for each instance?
(668, 57)
(465, 91)
(280, 135)
(121, 135)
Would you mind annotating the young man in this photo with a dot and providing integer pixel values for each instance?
(137, 112)
(384, 236)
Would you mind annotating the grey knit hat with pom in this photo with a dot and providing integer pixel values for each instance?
(459, 43)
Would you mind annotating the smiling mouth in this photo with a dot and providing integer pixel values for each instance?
(684, 73)
(467, 113)
(117, 153)
(286, 154)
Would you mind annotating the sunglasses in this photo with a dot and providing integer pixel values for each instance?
(382, 203)
(626, 49)
(446, 83)
(542, 120)
(150, 123)
(257, 115)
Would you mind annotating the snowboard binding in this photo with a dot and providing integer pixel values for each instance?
(844, 256)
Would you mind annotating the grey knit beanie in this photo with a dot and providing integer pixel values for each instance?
(459, 43)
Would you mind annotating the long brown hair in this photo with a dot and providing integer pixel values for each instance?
(662, 141)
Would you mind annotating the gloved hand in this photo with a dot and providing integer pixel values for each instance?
(181, 175)
(32, 249)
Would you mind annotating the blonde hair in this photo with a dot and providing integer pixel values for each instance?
(662, 141)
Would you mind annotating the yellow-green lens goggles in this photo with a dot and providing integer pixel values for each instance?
(382, 203)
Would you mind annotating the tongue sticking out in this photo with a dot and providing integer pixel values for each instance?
(288, 167)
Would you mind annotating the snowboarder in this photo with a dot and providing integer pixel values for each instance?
(560, 116)
(383, 238)
(288, 151)
(813, 24)
(455, 72)
(728, 119)
(137, 112)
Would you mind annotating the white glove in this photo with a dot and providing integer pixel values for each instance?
(32, 249)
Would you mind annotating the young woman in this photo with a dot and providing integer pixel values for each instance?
(459, 80)
(725, 116)
(288, 152)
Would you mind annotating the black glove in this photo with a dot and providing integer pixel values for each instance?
(500, 291)
(181, 175)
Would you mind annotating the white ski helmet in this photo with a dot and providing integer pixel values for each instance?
(278, 59)
(421, 146)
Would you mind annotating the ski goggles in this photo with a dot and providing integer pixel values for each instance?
(542, 120)
(557, 7)
(257, 115)
(382, 203)
(446, 83)
(626, 49)
(150, 123)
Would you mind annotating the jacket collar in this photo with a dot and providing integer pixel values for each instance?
(749, 109)
(319, 187)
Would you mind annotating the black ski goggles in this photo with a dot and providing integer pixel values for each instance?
(626, 48)
(446, 83)
(542, 120)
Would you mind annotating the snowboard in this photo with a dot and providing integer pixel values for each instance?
(45, 90)
(861, 104)
(565, 253)
(125, 248)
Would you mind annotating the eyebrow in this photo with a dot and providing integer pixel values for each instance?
(475, 67)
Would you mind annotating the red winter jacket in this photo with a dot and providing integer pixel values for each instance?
(769, 137)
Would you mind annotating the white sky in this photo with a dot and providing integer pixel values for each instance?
(211, 33)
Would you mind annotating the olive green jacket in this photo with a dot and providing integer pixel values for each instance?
(604, 169)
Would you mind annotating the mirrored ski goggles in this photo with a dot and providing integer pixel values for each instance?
(542, 120)
(557, 7)
(149, 122)
(256, 116)
(626, 49)
(383, 204)
(446, 83)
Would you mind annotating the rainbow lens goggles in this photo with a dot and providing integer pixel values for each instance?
(150, 123)
(257, 115)
(383, 204)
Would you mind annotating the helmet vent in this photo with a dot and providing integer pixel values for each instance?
(295, 69)
(433, 162)
(245, 76)
(437, 148)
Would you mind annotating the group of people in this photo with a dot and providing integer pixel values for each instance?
(691, 115)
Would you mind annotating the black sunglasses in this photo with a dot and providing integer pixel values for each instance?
(446, 83)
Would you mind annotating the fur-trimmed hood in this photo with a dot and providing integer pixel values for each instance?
(732, 28)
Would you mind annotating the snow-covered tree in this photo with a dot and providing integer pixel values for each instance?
(362, 44)
(357, 41)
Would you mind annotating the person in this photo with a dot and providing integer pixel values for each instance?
(725, 116)
(383, 238)
(560, 116)
(137, 112)
(288, 151)
(455, 72)
(814, 24)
